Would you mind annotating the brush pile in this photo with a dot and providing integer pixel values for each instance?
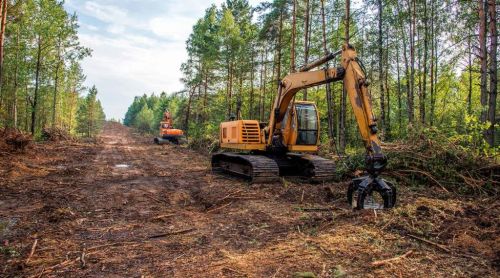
(16, 140)
(434, 160)
(55, 134)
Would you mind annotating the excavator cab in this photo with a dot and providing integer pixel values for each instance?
(307, 124)
(301, 125)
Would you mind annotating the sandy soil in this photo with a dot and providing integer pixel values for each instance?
(123, 207)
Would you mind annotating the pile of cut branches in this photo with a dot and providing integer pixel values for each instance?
(16, 140)
(433, 160)
(55, 134)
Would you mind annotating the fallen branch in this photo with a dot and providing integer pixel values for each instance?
(427, 175)
(163, 216)
(221, 207)
(391, 260)
(33, 247)
(173, 233)
(440, 246)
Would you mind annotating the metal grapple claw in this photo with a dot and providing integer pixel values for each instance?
(370, 192)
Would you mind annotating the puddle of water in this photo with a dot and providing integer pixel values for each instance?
(122, 166)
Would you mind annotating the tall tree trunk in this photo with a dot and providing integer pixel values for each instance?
(406, 62)
(263, 78)
(239, 98)
(347, 20)
(306, 41)
(228, 100)
(54, 100)
(387, 90)
(230, 91)
(424, 77)
(380, 68)
(329, 99)
(469, 66)
(483, 58)
(342, 121)
(251, 86)
(493, 73)
(343, 104)
(3, 13)
(433, 93)
(294, 32)
(188, 110)
(16, 83)
(37, 85)
(411, 94)
(432, 39)
(400, 107)
(205, 95)
(279, 46)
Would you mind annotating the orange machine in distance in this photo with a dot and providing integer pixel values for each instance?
(169, 134)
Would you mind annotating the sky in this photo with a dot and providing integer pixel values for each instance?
(138, 46)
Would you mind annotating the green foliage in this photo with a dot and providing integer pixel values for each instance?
(144, 119)
(236, 55)
(41, 72)
(146, 112)
(90, 115)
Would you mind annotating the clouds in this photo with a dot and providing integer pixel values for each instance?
(138, 46)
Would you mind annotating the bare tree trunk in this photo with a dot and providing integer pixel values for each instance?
(205, 96)
(37, 84)
(251, 86)
(280, 38)
(347, 19)
(406, 62)
(400, 108)
(387, 90)
(263, 78)
(342, 121)
(433, 93)
(469, 95)
(16, 84)
(380, 70)
(343, 105)
(54, 101)
(294, 31)
(490, 134)
(3, 13)
(424, 77)
(230, 91)
(412, 63)
(483, 58)
(329, 99)
(432, 39)
(306, 41)
(188, 110)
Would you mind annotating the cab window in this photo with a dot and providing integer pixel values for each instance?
(307, 122)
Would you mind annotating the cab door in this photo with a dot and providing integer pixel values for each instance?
(307, 124)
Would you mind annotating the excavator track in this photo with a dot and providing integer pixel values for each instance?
(256, 168)
(314, 168)
(263, 169)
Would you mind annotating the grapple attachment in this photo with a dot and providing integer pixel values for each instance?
(370, 192)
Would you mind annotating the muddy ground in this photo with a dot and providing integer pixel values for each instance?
(123, 207)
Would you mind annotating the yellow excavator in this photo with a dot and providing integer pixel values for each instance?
(286, 145)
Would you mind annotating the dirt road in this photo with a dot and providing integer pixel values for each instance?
(124, 207)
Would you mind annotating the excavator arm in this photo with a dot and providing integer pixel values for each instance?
(353, 76)
(291, 85)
